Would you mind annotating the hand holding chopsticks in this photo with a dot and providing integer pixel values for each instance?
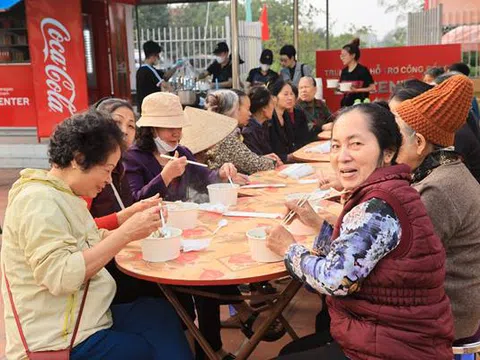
(305, 212)
(292, 213)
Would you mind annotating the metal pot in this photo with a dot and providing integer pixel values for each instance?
(187, 97)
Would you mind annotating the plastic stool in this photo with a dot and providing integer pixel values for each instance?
(466, 351)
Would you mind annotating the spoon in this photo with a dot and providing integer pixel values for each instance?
(230, 180)
(165, 231)
(222, 223)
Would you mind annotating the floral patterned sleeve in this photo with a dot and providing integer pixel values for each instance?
(368, 233)
(233, 150)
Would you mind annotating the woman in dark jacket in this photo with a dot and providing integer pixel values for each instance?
(356, 73)
(286, 134)
(298, 118)
(114, 205)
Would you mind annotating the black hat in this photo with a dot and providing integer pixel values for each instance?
(221, 47)
(266, 57)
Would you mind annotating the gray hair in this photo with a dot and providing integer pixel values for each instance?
(224, 102)
(109, 105)
(446, 76)
(410, 134)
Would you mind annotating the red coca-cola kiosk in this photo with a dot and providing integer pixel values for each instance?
(59, 56)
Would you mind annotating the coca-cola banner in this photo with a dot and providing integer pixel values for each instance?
(58, 60)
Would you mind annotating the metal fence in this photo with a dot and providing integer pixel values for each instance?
(197, 43)
(425, 28)
(460, 27)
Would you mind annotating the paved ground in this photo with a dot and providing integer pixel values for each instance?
(300, 313)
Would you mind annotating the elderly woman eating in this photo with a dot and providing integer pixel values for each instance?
(53, 259)
(232, 149)
(450, 193)
(159, 134)
(381, 266)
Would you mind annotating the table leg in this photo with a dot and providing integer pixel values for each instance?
(170, 295)
(283, 300)
(288, 327)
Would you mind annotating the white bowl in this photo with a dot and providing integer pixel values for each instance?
(346, 86)
(162, 249)
(182, 215)
(258, 247)
(332, 83)
(224, 193)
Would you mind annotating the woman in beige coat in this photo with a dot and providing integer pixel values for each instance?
(53, 255)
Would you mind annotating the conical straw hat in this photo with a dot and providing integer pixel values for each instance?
(206, 129)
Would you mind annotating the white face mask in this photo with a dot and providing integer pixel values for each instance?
(159, 60)
(163, 147)
(265, 67)
(220, 59)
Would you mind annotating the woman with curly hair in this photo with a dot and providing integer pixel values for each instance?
(53, 258)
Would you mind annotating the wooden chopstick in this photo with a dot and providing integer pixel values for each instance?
(302, 202)
(335, 195)
(188, 161)
(292, 213)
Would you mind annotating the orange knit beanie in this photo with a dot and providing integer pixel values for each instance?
(438, 113)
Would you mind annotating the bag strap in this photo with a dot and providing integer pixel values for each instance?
(17, 319)
(80, 312)
(155, 73)
(15, 314)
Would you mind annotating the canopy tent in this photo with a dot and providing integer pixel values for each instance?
(467, 35)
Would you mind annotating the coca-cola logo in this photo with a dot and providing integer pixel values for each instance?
(61, 87)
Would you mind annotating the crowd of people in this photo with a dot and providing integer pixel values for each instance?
(397, 270)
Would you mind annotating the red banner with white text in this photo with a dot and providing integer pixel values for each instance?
(58, 60)
(17, 99)
(388, 66)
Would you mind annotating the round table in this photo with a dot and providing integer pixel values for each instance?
(227, 260)
(302, 155)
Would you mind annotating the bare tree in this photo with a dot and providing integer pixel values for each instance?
(402, 7)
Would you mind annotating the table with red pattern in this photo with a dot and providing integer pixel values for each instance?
(227, 260)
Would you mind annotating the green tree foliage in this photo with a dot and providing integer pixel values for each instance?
(153, 16)
(398, 37)
(280, 17)
(402, 7)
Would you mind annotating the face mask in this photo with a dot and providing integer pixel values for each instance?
(160, 59)
(163, 147)
(265, 67)
(220, 59)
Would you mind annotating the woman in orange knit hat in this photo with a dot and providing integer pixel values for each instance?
(450, 193)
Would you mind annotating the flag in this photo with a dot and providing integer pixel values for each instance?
(264, 20)
(248, 10)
